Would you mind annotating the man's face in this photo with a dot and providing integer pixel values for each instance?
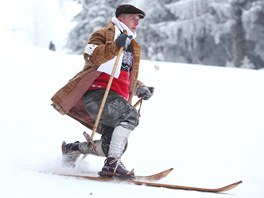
(131, 21)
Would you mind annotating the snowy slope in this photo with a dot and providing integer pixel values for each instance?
(205, 122)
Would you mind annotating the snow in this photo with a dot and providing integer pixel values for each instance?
(205, 122)
(38, 21)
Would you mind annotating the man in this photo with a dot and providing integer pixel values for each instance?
(82, 96)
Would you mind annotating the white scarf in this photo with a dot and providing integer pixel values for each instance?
(121, 26)
(107, 67)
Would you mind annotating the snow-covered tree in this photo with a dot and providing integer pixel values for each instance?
(253, 15)
(209, 32)
(95, 14)
(184, 30)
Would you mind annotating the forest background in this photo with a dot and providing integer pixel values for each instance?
(205, 32)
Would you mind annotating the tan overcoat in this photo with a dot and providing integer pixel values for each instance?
(69, 99)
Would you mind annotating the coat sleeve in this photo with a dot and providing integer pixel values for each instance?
(138, 84)
(105, 50)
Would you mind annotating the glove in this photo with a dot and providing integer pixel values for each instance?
(123, 41)
(145, 92)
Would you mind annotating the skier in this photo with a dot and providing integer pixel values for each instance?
(52, 46)
(82, 96)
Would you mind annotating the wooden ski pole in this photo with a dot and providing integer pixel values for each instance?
(106, 93)
(137, 103)
(104, 99)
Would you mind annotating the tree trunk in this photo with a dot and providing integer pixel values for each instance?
(239, 37)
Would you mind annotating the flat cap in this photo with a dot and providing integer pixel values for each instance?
(129, 9)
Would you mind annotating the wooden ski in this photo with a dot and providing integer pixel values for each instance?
(93, 176)
(150, 181)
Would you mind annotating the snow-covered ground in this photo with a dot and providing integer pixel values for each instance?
(205, 122)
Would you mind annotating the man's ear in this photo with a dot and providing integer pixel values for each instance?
(120, 18)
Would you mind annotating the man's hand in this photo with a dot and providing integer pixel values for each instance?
(145, 92)
(123, 41)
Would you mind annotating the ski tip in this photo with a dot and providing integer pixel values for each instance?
(167, 171)
(236, 183)
(239, 182)
(230, 186)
